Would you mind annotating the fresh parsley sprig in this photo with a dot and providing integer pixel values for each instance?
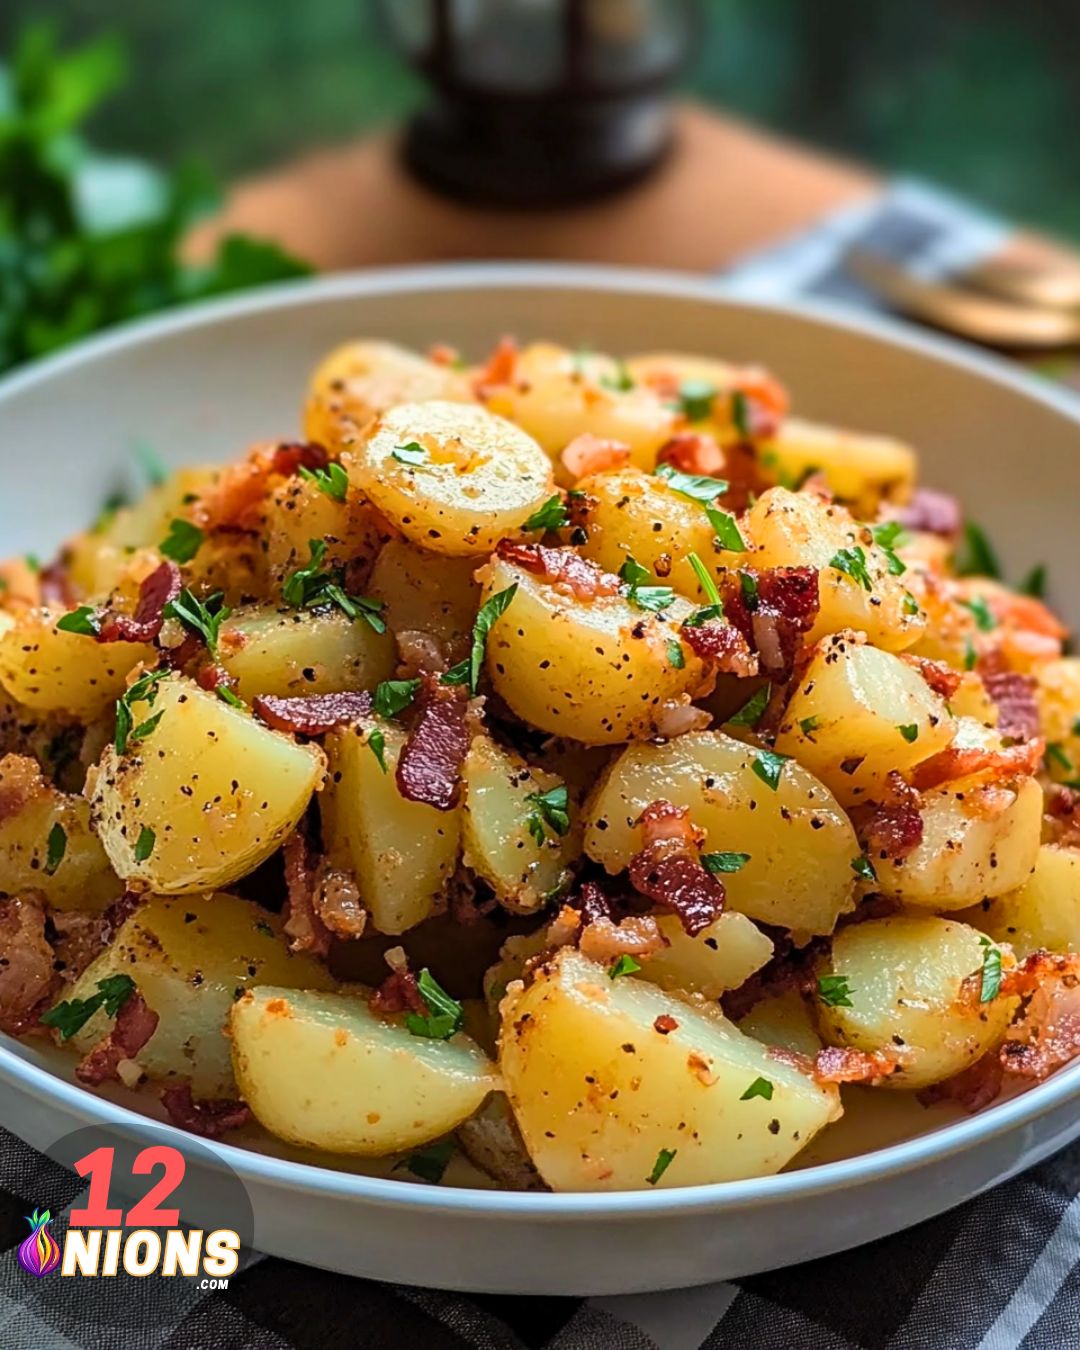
(551, 516)
(394, 696)
(72, 1015)
(332, 482)
(182, 542)
(551, 810)
(639, 588)
(314, 585)
(203, 617)
(144, 690)
(468, 671)
(444, 1016)
(852, 562)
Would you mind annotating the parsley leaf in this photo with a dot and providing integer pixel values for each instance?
(910, 732)
(551, 809)
(727, 531)
(182, 542)
(698, 487)
(1056, 752)
(623, 965)
(203, 617)
(990, 985)
(663, 1161)
(83, 620)
(1034, 584)
(430, 1163)
(468, 671)
(444, 1016)
(911, 605)
(724, 862)
(315, 585)
(551, 516)
(55, 848)
(887, 537)
(696, 399)
(675, 654)
(740, 413)
(412, 454)
(982, 613)
(332, 482)
(144, 845)
(706, 582)
(808, 725)
(621, 382)
(760, 1087)
(227, 696)
(749, 586)
(852, 562)
(73, 1014)
(144, 690)
(648, 597)
(394, 696)
(834, 991)
(979, 558)
(750, 712)
(377, 745)
(863, 869)
(768, 765)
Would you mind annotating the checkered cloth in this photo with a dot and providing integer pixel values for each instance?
(999, 1273)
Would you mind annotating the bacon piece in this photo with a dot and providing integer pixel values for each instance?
(429, 766)
(932, 513)
(662, 821)
(560, 567)
(398, 993)
(303, 927)
(1029, 614)
(767, 400)
(500, 367)
(941, 678)
(291, 457)
(27, 975)
(77, 937)
(696, 453)
(312, 714)
(442, 354)
(723, 646)
(588, 454)
(157, 590)
(892, 828)
(118, 913)
(337, 902)
(995, 766)
(665, 1024)
(235, 503)
(847, 1065)
(55, 582)
(1061, 821)
(669, 871)
(592, 903)
(208, 1117)
(773, 625)
(973, 1088)
(1014, 694)
(604, 941)
(185, 651)
(134, 1025)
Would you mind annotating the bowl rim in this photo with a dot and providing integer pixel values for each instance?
(288, 1174)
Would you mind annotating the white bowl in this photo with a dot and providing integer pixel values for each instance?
(206, 381)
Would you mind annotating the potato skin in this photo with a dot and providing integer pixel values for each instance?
(598, 1090)
(905, 975)
(801, 844)
(599, 671)
(322, 1070)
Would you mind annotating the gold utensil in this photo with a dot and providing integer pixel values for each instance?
(1053, 285)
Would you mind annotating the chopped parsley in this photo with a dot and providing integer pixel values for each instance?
(698, 487)
(144, 845)
(144, 690)
(808, 725)
(468, 671)
(332, 482)
(887, 537)
(227, 696)
(664, 1160)
(72, 1015)
(911, 605)
(1034, 584)
(623, 965)
(675, 654)
(727, 531)
(83, 620)
(990, 985)
(749, 587)
(740, 413)
(715, 608)
(55, 848)
(760, 1087)
(377, 745)
(430, 1163)
(112, 503)
(970, 654)
(768, 765)
(203, 617)
(979, 558)
(910, 732)
(981, 612)
(1056, 752)
(147, 727)
(724, 862)
(551, 809)
(315, 585)
(621, 382)
(834, 991)
(750, 712)
(413, 454)
(696, 399)
(444, 1016)
(182, 542)
(638, 592)
(394, 696)
(551, 516)
(852, 562)
(863, 869)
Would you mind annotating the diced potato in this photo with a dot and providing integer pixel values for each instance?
(978, 840)
(599, 670)
(49, 670)
(402, 853)
(298, 511)
(470, 479)
(557, 394)
(36, 820)
(718, 958)
(634, 514)
(427, 594)
(291, 652)
(973, 702)
(858, 714)
(204, 797)
(189, 958)
(324, 1071)
(514, 954)
(146, 523)
(904, 978)
(677, 368)
(359, 380)
(801, 844)
(1057, 693)
(797, 529)
(1043, 912)
(783, 1019)
(862, 471)
(501, 827)
(601, 1095)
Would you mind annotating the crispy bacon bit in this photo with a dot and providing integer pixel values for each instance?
(76, 937)
(834, 1065)
(429, 766)
(661, 821)
(157, 590)
(723, 646)
(443, 354)
(186, 650)
(665, 1024)
(398, 993)
(591, 902)
(27, 975)
(1026, 613)
(135, 1024)
(786, 607)
(933, 513)
(994, 766)
(118, 913)
(337, 903)
(236, 500)
(973, 1088)
(1061, 821)
(208, 1117)
(55, 582)
(588, 454)
(941, 678)
(214, 677)
(312, 714)
(500, 367)
(892, 828)
(669, 871)
(560, 567)
(766, 400)
(303, 927)
(604, 941)
(1014, 694)
(693, 452)
(290, 458)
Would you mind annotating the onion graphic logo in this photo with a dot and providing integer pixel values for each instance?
(40, 1252)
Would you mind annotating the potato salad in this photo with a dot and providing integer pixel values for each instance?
(572, 765)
